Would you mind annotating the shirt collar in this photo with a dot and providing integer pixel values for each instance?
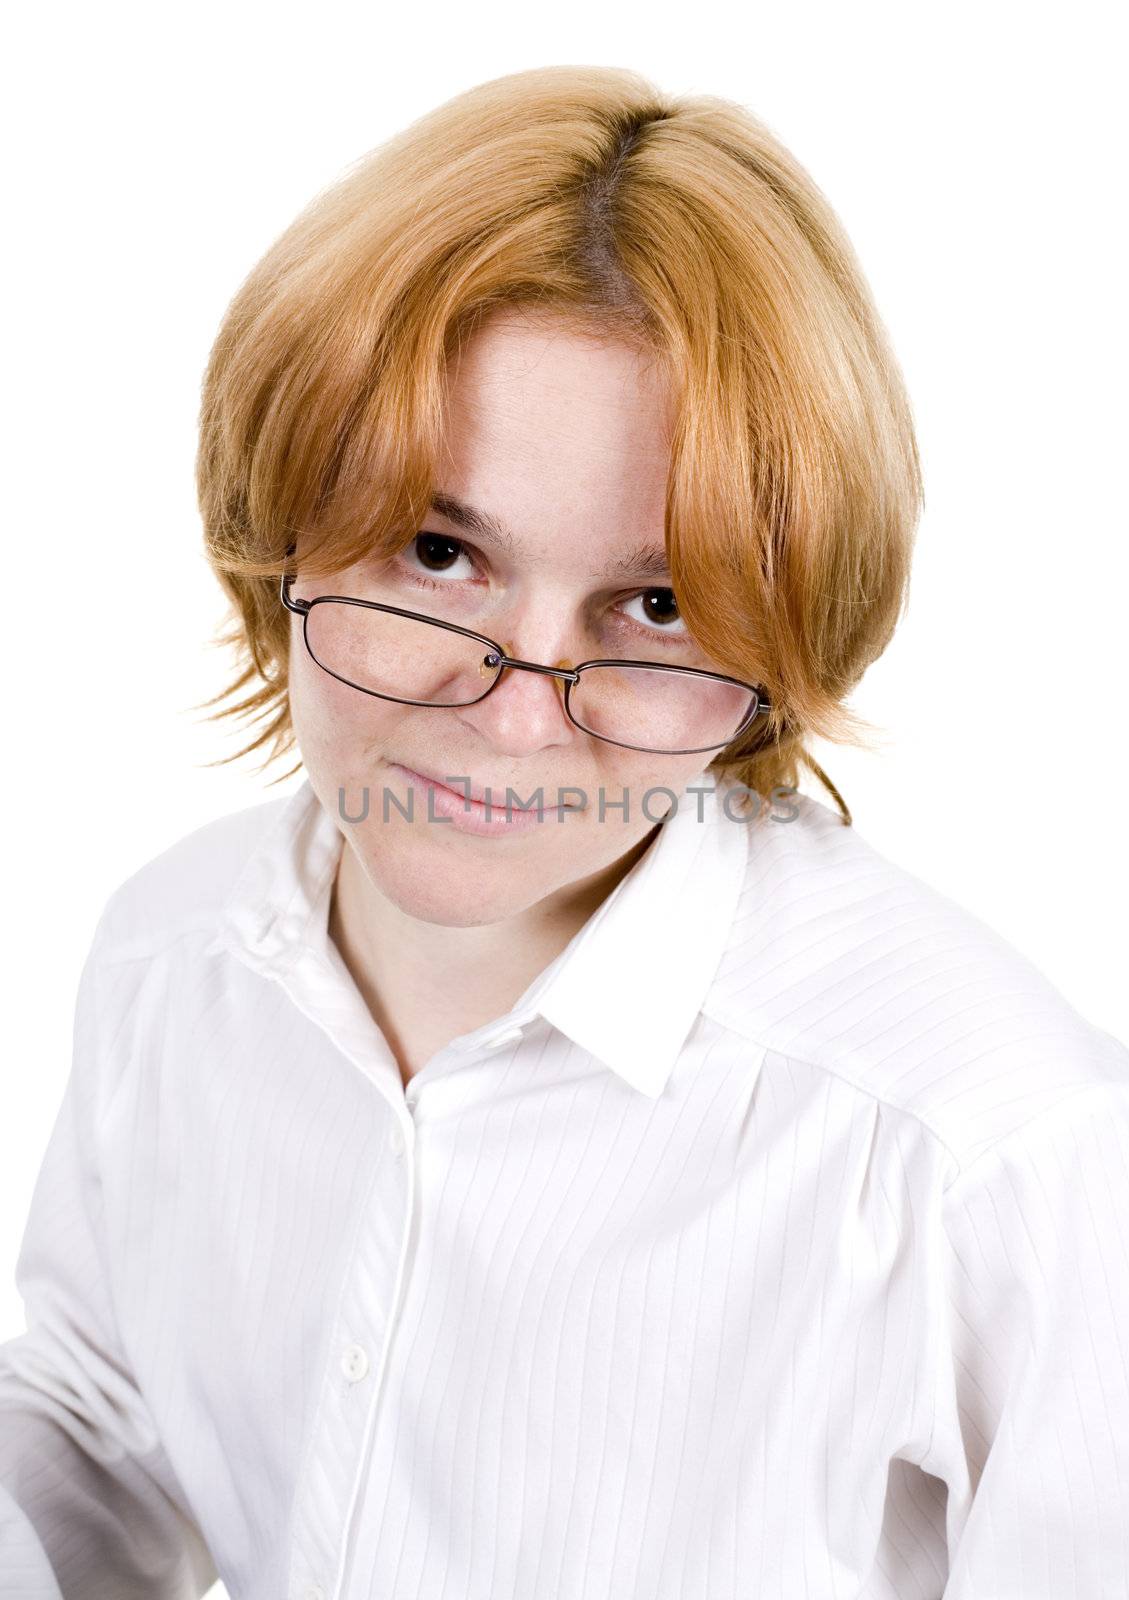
(628, 986)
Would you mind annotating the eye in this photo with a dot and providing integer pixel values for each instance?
(659, 611)
(432, 562)
(436, 552)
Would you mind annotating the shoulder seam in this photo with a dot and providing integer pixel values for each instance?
(961, 1168)
(843, 1077)
(117, 951)
(995, 1148)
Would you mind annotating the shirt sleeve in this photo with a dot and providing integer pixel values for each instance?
(1035, 1309)
(89, 1504)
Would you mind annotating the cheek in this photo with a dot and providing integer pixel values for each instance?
(678, 771)
(334, 723)
(654, 780)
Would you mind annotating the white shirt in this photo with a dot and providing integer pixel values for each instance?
(773, 1245)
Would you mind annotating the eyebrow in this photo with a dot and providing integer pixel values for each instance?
(646, 561)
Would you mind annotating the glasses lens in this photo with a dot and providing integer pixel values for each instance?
(407, 658)
(397, 656)
(660, 710)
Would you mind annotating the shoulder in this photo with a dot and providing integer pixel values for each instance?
(183, 888)
(840, 960)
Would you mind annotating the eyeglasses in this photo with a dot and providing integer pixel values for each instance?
(417, 660)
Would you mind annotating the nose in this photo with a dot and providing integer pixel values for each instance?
(524, 713)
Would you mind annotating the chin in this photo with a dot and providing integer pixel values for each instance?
(453, 895)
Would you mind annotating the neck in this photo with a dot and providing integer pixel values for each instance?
(426, 983)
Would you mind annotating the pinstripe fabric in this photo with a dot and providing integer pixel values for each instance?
(773, 1245)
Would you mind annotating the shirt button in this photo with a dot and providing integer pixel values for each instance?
(354, 1362)
(396, 1142)
(314, 1592)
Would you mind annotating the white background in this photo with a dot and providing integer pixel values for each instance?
(976, 156)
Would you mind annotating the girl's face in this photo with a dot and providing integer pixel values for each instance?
(563, 443)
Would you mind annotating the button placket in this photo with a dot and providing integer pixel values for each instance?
(370, 1301)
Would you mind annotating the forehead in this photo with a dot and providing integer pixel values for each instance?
(558, 434)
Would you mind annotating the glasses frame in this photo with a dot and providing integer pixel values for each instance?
(570, 676)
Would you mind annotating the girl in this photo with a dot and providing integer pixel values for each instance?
(544, 1155)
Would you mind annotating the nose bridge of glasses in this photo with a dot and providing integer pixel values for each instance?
(562, 672)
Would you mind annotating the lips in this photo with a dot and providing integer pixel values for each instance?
(497, 794)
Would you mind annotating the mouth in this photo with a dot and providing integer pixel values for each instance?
(465, 791)
(476, 796)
